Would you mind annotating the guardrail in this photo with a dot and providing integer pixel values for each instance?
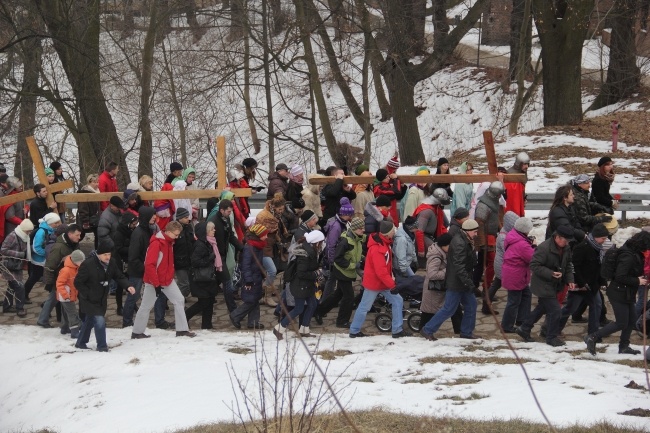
(629, 202)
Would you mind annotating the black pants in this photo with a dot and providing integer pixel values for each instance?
(550, 307)
(625, 319)
(205, 306)
(455, 319)
(35, 274)
(343, 294)
(583, 307)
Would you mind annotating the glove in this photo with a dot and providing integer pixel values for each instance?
(605, 218)
(158, 290)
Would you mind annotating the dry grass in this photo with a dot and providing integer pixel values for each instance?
(472, 396)
(421, 380)
(465, 380)
(468, 359)
(329, 355)
(134, 361)
(240, 350)
(380, 421)
(366, 379)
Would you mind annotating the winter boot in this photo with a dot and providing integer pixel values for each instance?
(627, 350)
(74, 332)
(278, 330)
(268, 296)
(304, 332)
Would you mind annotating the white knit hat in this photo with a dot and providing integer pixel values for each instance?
(314, 236)
(51, 218)
(26, 226)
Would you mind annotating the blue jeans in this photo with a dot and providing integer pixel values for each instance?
(229, 294)
(48, 306)
(364, 306)
(271, 271)
(517, 308)
(131, 299)
(310, 303)
(452, 300)
(641, 294)
(99, 324)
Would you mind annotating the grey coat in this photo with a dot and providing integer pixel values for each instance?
(436, 271)
(508, 224)
(547, 260)
(108, 223)
(460, 264)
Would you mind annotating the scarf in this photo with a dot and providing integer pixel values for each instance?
(89, 188)
(256, 243)
(25, 238)
(596, 246)
(609, 177)
(218, 265)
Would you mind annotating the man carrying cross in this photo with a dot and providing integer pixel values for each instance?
(38, 207)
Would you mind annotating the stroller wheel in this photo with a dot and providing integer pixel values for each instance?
(414, 321)
(384, 322)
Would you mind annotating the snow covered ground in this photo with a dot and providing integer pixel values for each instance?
(164, 383)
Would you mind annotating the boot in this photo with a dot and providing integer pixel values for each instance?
(74, 332)
(278, 330)
(304, 332)
(268, 296)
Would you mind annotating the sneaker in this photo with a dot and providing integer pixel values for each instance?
(185, 334)
(44, 325)
(426, 336)
(628, 351)
(165, 325)
(403, 333)
(318, 318)
(470, 337)
(139, 336)
(556, 342)
(21, 313)
(524, 335)
(235, 324)
(345, 325)
(591, 344)
(358, 335)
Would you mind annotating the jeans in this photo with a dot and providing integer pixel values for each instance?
(183, 281)
(574, 301)
(35, 274)
(625, 321)
(344, 294)
(149, 298)
(48, 306)
(250, 309)
(550, 307)
(229, 295)
(517, 308)
(16, 291)
(368, 298)
(271, 271)
(131, 299)
(310, 303)
(452, 300)
(99, 324)
(642, 294)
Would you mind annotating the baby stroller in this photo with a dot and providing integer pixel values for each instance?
(411, 290)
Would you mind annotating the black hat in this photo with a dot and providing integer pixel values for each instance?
(442, 160)
(181, 212)
(105, 246)
(461, 213)
(117, 202)
(281, 166)
(298, 203)
(599, 231)
(565, 231)
(604, 160)
(249, 162)
(410, 222)
(386, 226)
(55, 165)
(307, 215)
(382, 200)
(444, 239)
(175, 166)
(381, 174)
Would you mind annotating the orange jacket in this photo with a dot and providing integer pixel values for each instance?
(65, 289)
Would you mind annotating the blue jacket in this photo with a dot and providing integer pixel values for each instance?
(40, 239)
(251, 272)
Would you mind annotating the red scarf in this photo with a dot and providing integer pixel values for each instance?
(440, 226)
(256, 243)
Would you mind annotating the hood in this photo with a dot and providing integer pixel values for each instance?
(45, 226)
(88, 188)
(430, 200)
(68, 263)
(227, 195)
(298, 249)
(509, 220)
(378, 239)
(127, 218)
(372, 210)
(179, 184)
(400, 232)
(63, 238)
(276, 175)
(187, 172)
(514, 237)
(145, 215)
(200, 231)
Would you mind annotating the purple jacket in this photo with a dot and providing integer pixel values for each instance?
(333, 229)
(515, 273)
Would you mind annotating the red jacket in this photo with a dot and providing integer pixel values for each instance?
(107, 183)
(392, 190)
(159, 261)
(242, 202)
(515, 198)
(378, 271)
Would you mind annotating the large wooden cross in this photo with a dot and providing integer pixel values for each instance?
(438, 178)
(42, 178)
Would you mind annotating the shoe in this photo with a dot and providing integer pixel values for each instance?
(591, 344)
(345, 325)
(256, 326)
(81, 346)
(119, 311)
(165, 325)
(305, 332)
(358, 335)
(402, 333)
(65, 330)
(628, 351)
(104, 349)
(470, 337)
(185, 334)
(21, 313)
(139, 336)
(556, 342)
(44, 325)
(524, 335)
(235, 324)
(579, 320)
(318, 318)
(426, 336)
(27, 300)
(278, 330)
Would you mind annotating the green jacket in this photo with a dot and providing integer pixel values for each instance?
(348, 254)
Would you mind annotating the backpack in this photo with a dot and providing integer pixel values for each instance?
(290, 272)
(608, 265)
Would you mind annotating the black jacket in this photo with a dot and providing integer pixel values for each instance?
(87, 212)
(224, 234)
(460, 264)
(629, 267)
(332, 194)
(202, 256)
(564, 216)
(250, 271)
(585, 210)
(586, 266)
(183, 247)
(92, 283)
(140, 242)
(546, 260)
(600, 192)
(122, 239)
(304, 283)
(37, 210)
(62, 248)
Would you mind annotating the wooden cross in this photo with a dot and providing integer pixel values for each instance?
(438, 178)
(42, 177)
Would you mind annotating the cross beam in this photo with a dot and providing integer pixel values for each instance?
(40, 171)
(151, 195)
(426, 178)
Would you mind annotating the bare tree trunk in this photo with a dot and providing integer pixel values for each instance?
(440, 25)
(623, 75)
(314, 128)
(182, 130)
(146, 139)
(128, 25)
(337, 7)
(279, 17)
(163, 13)
(237, 20)
(367, 139)
(521, 31)
(267, 84)
(418, 20)
(189, 9)
(247, 92)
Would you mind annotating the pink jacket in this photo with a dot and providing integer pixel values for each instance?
(515, 273)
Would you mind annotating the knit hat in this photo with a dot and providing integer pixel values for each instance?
(599, 231)
(393, 164)
(258, 230)
(105, 246)
(175, 166)
(308, 215)
(346, 207)
(460, 213)
(51, 218)
(381, 174)
(117, 202)
(360, 169)
(604, 160)
(26, 226)
(444, 239)
(523, 225)
(442, 160)
(470, 225)
(55, 165)
(423, 170)
(296, 170)
(127, 218)
(298, 203)
(314, 236)
(565, 231)
(386, 227)
(382, 200)
(357, 223)
(581, 178)
(250, 221)
(281, 166)
(48, 171)
(249, 162)
(77, 256)
(181, 213)
(410, 222)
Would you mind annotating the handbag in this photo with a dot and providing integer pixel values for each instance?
(438, 285)
(204, 275)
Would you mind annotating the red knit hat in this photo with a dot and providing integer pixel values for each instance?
(258, 230)
(392, 165)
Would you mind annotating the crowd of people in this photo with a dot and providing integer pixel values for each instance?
(303, 252)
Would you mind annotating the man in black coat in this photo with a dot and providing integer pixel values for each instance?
(584, 209)
(38, 206)
(137, 252)
(332, 193)
(122, 240)
(92, 284)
